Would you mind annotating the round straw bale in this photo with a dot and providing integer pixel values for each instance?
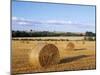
(70, 46)
(44, 55)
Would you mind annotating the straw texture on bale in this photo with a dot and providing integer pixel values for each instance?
(70, 46)
(44, 55)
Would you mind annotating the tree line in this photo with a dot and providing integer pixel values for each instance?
(47, 33)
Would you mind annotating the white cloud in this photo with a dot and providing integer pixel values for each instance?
(69, 22)
(58, 22)
(14, 18)
(23, 23)
(62, 23)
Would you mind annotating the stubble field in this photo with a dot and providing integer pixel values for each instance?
(81, 57)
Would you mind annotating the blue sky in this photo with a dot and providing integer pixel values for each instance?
(52, 17)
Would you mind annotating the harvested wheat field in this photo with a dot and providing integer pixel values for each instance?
(30, 56)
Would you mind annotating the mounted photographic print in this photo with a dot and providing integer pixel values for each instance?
(52, 37)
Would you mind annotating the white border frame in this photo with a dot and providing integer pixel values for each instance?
(5, 37)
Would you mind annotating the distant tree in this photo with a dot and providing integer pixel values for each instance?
(94, 38)
(90, 39)
(89, 34)
(31, 30)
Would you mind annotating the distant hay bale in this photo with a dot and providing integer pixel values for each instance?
(56, 42)
(44, 55)
(70, 46)
(83, 42)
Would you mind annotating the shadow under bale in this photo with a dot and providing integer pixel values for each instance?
(70, 59)
(80, 49)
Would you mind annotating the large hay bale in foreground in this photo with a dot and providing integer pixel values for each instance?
(70, 46)
(44, 55)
